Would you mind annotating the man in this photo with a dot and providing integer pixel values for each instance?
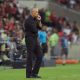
(32, 23)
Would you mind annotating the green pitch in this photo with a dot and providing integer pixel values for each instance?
(60, 72)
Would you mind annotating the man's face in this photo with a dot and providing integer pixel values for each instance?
(35, 12)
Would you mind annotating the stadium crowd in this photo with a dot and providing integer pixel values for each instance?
(12, 38)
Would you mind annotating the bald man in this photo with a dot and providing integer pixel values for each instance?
(32, 24)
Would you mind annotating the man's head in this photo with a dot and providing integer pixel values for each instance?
(34, 12)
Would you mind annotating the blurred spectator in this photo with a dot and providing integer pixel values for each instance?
(47, 18)
(53, 41)
(67, 28)
(53, 18)
(43, 39)
(11, 25)
(64, 48)
(75, 31)
(59, 25)
(72, 3)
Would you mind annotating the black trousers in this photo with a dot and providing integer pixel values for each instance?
(33, 48)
